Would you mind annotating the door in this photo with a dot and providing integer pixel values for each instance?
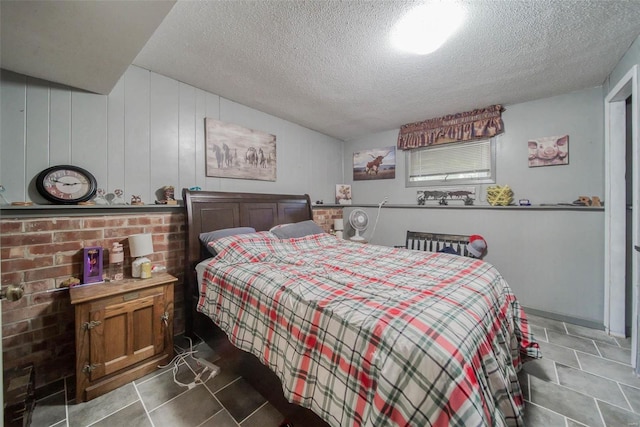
(616, 229)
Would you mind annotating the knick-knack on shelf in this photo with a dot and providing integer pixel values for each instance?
(100, 197)
(118, 199)
(168, 193)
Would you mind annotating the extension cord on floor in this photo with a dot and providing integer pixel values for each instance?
(205, 363)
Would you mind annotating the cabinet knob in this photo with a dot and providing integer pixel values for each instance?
(90, 325)
(87, 369)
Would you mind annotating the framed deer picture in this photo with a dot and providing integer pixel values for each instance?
(376, 163)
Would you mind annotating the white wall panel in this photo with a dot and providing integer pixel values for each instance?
(200, 114)
(89, 133)
(187, 138)
(59, 125)
(136, 134)
(297, 150)
(13, 136)
(115, 139)
(149, 132)
(212, 109)
(37, 142)
(164, 136)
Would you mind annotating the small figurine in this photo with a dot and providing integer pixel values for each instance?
(100, 197)
(118, 200)
(168, 196)
(136, 200)
(443, 202)
(468, 201)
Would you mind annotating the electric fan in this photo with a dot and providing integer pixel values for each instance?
(359, 220)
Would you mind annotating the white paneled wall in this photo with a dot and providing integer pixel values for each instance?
(148, 133)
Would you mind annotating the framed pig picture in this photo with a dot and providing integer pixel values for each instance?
(549, 151)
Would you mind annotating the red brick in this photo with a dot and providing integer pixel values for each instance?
(46, 319)
(45, 334)
(15, 328)
(49, 272)
(7, 227)
(26, 264)
(175, 219)
(39, 286)
(120, 232)
(11, 316)
(93, 243)
(52, 224)
(54, 248)
(12, 278)
(145, 220)
(131, 230)
(95, 223)
(48, 297)
(25, 239)
(176, 237)
(14, 341)
(12, 253)
(16, 355)
(116, 222)
(66, 258)
(76, 235)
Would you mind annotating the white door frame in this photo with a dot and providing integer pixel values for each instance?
(615, 207)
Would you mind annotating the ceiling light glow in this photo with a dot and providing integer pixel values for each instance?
(425, 28)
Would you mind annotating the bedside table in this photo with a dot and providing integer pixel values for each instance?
(124, 330)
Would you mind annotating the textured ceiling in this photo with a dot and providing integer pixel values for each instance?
(329, 66)
(85, 44)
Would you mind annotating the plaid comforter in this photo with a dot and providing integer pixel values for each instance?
(367, 335)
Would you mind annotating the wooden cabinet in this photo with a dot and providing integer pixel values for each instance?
(124, 330)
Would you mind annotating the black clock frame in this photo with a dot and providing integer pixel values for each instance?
(93, 184)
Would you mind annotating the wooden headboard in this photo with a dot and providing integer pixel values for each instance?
(216, 210)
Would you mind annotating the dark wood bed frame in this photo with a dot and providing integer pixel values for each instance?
(214, 210)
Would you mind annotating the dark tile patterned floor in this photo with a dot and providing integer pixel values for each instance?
(225, 400)
(583, 379)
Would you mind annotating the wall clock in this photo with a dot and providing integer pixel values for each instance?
(66, 184)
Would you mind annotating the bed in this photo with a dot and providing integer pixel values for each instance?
(363, 335)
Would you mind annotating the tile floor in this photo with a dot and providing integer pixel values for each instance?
(584, 379)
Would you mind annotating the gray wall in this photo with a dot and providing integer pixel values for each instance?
(553, 260)
(148, 133)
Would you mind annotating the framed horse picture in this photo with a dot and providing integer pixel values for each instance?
(233, 151)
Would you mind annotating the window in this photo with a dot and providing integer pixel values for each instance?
(458, 163)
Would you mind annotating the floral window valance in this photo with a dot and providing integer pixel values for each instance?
(471, 125)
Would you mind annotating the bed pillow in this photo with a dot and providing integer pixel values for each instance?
(206, 238)
(297, 229)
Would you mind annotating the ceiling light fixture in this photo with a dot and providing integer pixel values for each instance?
(425, 28)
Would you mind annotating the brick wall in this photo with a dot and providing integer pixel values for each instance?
(324, 217)
(40, 253)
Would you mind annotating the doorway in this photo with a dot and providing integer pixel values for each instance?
(618, 252)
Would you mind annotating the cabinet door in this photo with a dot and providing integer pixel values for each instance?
(126, 333)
